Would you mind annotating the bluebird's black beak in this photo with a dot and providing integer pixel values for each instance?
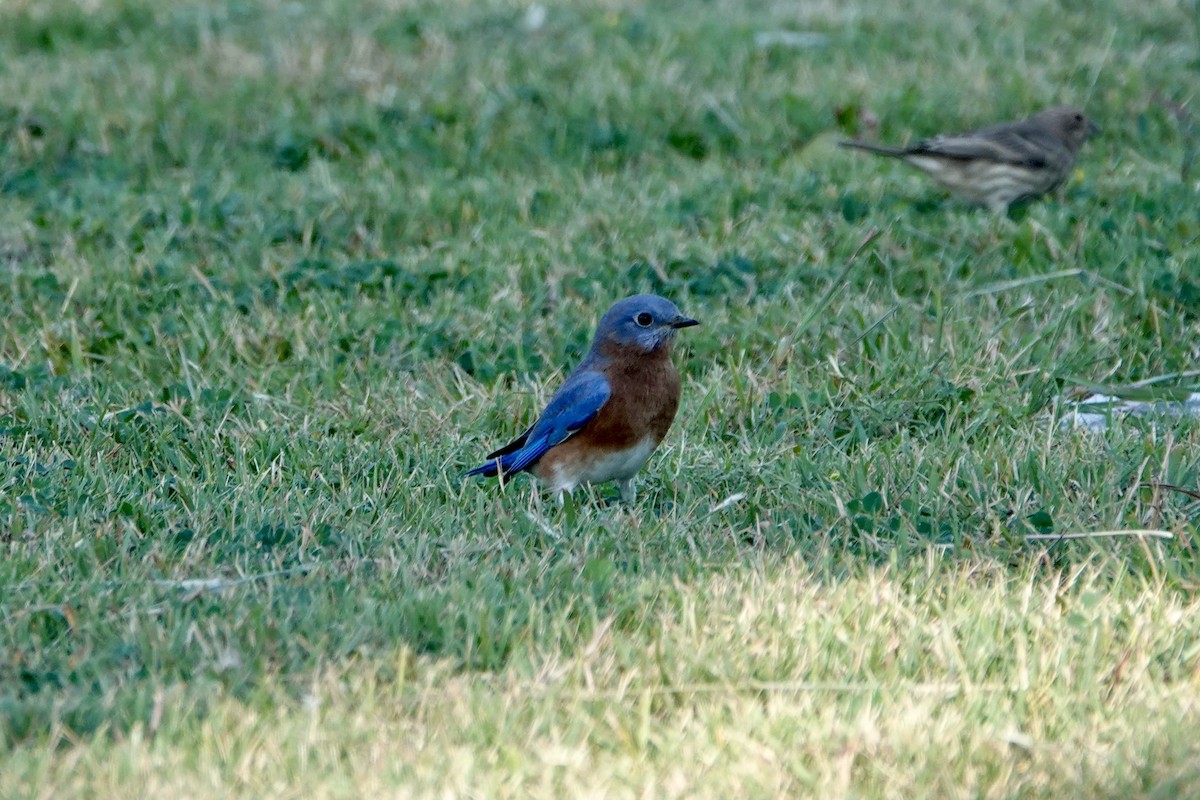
(684, 322)
(1093, 128)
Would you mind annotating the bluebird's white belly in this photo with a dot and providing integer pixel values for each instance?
(609, 465)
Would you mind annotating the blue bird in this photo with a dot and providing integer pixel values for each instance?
(613, 410)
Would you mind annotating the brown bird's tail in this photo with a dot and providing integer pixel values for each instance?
(883, 150)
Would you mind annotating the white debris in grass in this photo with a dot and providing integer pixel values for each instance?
(1094, 412)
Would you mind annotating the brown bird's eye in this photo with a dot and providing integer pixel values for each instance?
(643, 319)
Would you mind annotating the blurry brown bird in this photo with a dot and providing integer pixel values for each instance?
(1000, 164)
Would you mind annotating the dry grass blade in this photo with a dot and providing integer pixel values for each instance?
(1140, 533)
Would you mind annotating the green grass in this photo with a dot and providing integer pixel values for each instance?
(276, 273)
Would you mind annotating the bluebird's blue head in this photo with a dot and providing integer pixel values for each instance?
(644, 321)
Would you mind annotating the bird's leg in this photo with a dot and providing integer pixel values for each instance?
(626, 491)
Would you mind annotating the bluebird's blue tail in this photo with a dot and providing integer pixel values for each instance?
(489, 470)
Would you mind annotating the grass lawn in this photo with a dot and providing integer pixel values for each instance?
(276, 273)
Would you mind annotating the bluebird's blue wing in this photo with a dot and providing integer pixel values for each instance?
(571, 408)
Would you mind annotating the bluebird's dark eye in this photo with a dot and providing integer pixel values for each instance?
(643, 319)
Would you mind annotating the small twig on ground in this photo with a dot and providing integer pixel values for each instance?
(1160, 485)
(196, 586)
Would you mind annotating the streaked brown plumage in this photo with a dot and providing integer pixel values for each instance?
(1000, 164)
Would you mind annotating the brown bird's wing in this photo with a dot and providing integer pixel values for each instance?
(1018, 144)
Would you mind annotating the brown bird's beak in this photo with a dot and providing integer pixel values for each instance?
(684, 322)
